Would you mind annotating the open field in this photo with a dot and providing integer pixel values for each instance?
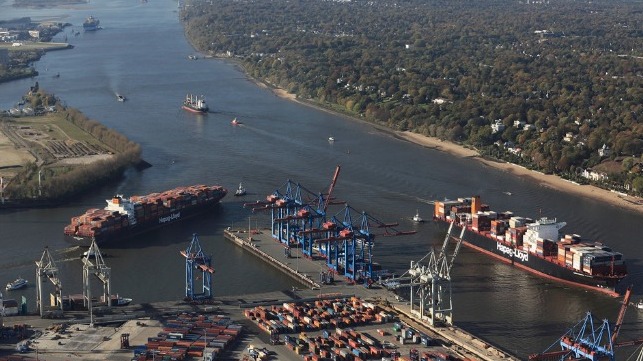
(47, 140)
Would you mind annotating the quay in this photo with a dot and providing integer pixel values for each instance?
(77, 335)
(306, 271)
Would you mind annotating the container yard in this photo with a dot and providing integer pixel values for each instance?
(362, 308)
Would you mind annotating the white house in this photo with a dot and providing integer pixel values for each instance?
(604, 151)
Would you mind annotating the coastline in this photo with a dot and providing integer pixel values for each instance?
(544, 180)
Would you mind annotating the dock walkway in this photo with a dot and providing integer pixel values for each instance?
(307, 271)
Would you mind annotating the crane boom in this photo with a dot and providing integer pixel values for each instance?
(332, 186)
(621, 314)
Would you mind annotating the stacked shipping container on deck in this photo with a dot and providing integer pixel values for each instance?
(539, 237)
(152, 209)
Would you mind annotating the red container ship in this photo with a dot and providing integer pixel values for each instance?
(125, 217)
(535, 245)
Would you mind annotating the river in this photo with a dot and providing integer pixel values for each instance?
(142, 53)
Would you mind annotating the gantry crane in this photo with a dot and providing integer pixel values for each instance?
(297, 213)
(46, 268)
(196, 260)
(347, 243)
(99, 269)
(431, 282)
(586, 341)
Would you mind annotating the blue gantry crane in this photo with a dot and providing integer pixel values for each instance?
(197, 261)
(589, 341)
(348, 243)
(299, 218)
(296, 213)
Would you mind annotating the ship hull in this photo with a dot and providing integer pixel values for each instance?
(194, 110)
(143, 226)
(535, 264)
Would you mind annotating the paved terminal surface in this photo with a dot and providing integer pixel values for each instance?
(72, 338)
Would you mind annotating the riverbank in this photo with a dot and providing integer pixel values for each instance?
(615, 199)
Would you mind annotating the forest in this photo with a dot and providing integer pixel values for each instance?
(545, 84)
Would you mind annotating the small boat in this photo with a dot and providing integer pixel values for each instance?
(639, 304)
(120, 97)
(235, 122)
(192, 57)
(417, 218)
(117, 300)
(331, 139)
(91, 24)
(240, 191)
(17, 284)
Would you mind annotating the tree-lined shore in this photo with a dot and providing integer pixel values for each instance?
(543, 84)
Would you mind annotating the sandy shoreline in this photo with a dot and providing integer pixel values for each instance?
(545, 180)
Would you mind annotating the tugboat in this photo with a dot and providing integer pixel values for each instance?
(240, 191)
(17, 284)
(235, 121)
(417, 218)
(195, 104)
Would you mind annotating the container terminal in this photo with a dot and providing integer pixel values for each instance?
(206, 327)
(344, 310)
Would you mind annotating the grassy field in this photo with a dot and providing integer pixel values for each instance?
(49, 140)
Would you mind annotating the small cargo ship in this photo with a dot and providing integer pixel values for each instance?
(535, 245)
(91, 24)
(125, 217)
(195, 104)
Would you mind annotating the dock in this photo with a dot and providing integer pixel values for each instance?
(307, 271)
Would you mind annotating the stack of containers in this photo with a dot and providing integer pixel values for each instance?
(191, 335)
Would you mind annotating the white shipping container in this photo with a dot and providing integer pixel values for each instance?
(576, 263)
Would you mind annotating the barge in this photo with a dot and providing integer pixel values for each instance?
(125, 217)
(536, 246)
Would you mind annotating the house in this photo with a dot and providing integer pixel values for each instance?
(604, 151)
(518, 124)
(592, 175)
(568, 137)
(497, 126)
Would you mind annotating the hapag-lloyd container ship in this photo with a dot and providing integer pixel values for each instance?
(535, 245)
(125, 217)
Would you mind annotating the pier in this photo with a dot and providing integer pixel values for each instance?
(306, 271)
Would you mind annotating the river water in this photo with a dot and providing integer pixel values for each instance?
(142, 53)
